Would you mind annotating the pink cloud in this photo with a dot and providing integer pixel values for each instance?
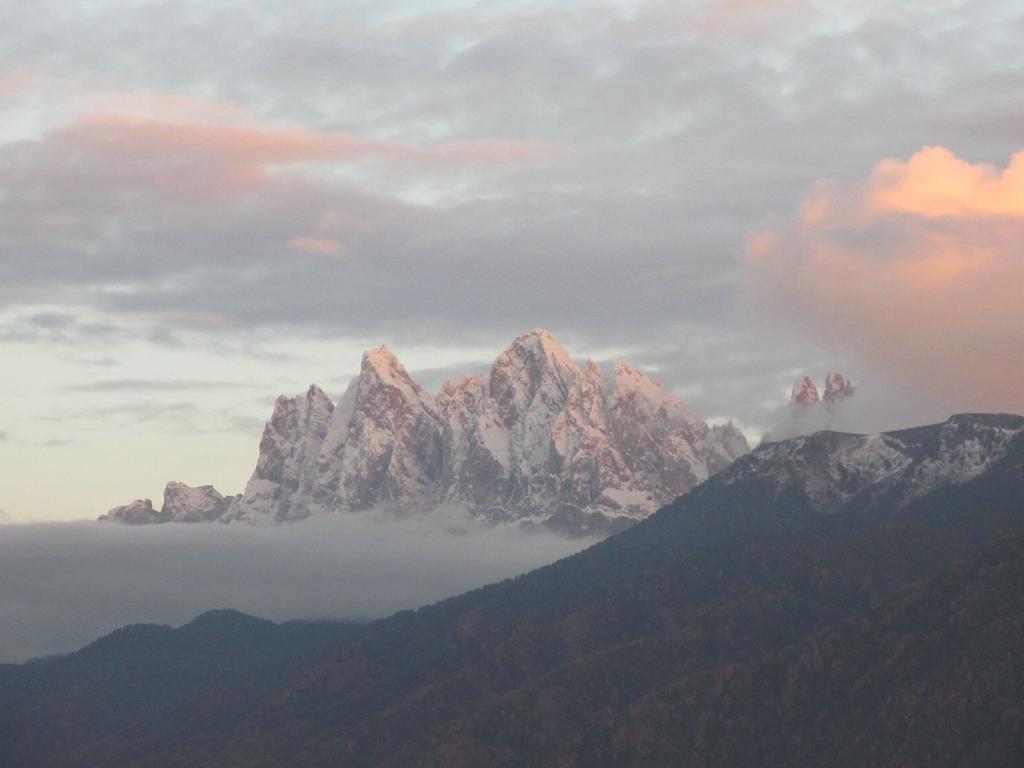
(168, 107)
(919, 267)
(15, 82)
(184, 144)
(187, 156)
(498, 151)
(935, 183)
(317, 246)
(730, 15)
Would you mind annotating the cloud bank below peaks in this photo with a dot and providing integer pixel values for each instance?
(63, 585)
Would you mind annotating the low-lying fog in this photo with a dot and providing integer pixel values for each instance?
(63, 585)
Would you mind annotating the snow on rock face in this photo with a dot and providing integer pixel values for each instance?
(138, 512)
(660, 438)
(384, 442)
(547, 442)
(279, 487)
(829, 469)
(184, 504)
(538, 440)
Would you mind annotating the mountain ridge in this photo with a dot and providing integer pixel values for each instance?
(538, 441)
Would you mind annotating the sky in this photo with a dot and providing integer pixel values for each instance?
(206, 204)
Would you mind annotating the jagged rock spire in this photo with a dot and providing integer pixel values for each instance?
(837, 388)
(805, 393)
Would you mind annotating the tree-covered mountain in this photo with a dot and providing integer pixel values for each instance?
(829, 600)
(149, 687)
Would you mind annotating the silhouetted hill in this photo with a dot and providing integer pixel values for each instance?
(807, 606)
(147, 684)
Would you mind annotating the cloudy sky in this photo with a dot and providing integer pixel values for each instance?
(205, 204)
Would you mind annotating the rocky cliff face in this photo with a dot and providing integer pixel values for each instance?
(538, 441)
(182, 504)
(138, 512)
(837, 388)
(805, 392)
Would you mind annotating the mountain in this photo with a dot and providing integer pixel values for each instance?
(182, 504)
(805, 395)
(149, 684)
(538, 441)
(830, 600)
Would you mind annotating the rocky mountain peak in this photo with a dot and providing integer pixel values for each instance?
(385, 385)
(640, 398)
(837, 388)
(138, 512)
(383, 365)
(185, 504)
(805, 393)
(535, 365)
(182, 504)
(537, 441)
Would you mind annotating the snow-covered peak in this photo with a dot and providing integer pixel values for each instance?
(629, 380)
(831, 468)
(539, 440)
(381, 370)
(182, 504)
(382, 364)
(138, 512)
(805, 393)
(535, 365)
(318, 399)
(185, 504)
(643, 399)
(543, 350)
(551, 347)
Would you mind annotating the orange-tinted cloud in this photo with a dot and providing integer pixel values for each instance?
(15, 82)
(935, 183)
(730, 15)
(199, 156)
(183, 144)
(920, 268)
(317, 246)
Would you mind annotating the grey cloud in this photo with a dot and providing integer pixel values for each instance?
(133, 411)
(62, 585)
(681, 145)
(52, 320)
(97, 362)
(151, 385)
